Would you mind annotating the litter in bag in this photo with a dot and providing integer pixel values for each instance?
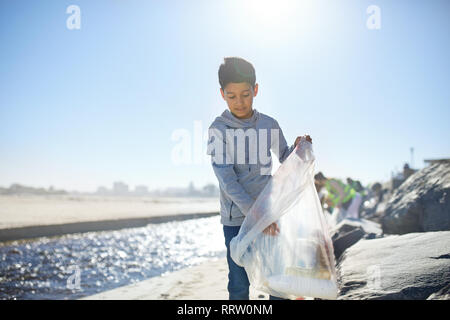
(299, 260)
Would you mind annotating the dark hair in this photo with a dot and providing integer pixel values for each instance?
(319, 176)
(235, 69)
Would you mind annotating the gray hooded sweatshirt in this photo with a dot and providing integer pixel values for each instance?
(241, 160)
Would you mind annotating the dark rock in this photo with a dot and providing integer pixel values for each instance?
(421, 203)
(350, 224)
(347, 240)
(349, 231)
(443, 294)
(410, 266)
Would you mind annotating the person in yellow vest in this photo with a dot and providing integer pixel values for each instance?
(357, 186)
(337, 194)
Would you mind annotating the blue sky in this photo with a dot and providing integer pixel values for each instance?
(84, 108)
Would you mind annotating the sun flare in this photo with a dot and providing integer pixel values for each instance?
(272, 20)
(269, 11)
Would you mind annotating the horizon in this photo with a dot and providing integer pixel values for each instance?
(111, 187)
(129, 90)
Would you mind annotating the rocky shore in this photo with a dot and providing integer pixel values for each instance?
(400, 249)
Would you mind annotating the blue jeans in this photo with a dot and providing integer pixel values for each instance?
(238, 284)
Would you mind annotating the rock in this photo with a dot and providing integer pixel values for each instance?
(347, 240)
(410, 266)
(349, 231)
(421, 203)
(350, 224)
(373, 208)
(443, 294)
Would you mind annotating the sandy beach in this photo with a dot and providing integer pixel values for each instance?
(36, 216)
(21, 211)
(206, 281)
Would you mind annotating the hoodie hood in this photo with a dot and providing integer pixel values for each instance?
(230, 120)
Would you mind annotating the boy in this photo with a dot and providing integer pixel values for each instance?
(243, 174)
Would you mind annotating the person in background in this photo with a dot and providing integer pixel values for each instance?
(319, 179)
(355, 185)
(339, 195)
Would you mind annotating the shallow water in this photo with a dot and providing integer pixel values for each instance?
(78, 265)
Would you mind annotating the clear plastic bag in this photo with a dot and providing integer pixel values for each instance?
(299, 260)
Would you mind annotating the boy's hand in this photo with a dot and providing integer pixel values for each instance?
(272, 230)
(307, 137)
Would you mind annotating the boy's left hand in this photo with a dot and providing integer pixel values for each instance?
(307, 137)
(272, 230)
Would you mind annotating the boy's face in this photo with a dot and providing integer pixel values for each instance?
(239, 97)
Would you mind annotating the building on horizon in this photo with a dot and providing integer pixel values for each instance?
(120, 188)
(141, 190)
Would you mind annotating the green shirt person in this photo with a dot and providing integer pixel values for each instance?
(339, 194)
